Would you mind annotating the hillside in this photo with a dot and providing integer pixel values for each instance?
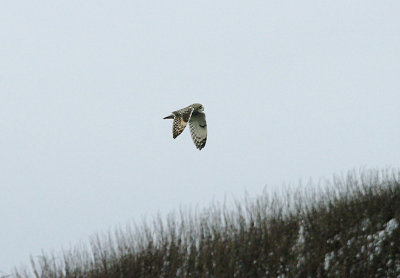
(347, 227)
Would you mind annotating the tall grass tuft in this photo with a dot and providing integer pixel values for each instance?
(346, 227)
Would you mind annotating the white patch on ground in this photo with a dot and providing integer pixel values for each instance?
(372, 249)
(391, 226)
(300, 245)
(328, 258)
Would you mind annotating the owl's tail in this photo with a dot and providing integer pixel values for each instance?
(169, 117)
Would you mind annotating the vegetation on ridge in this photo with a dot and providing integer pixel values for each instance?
(349, 227)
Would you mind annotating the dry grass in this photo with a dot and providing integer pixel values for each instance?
(347, 229)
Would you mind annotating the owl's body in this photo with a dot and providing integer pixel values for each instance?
(197, 123)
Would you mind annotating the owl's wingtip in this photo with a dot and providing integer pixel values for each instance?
(200, 147)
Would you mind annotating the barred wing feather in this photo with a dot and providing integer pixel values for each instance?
(198, 129)
(180, 122)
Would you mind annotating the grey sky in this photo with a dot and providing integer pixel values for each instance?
(291, 91)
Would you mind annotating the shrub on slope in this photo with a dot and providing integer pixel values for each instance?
(347, 228)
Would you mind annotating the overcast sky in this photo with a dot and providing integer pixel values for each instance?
(291, 90)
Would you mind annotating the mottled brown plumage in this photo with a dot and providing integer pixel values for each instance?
(197, 122)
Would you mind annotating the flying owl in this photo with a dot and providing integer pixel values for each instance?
(197, 123)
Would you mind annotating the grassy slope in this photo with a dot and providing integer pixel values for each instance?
(349, 229)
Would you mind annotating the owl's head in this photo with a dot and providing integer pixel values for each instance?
(197, 107)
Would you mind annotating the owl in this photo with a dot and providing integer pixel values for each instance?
(197, 123)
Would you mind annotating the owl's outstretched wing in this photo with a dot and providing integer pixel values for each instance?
(180, 122)
(198, 129)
